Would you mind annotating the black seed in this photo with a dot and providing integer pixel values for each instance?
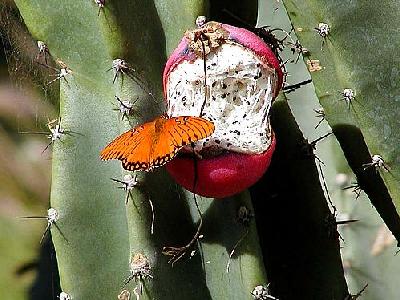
(229, 144)
(248, 102)
(184, 98)
(245, 115)
(213, 84)
(223, 96)
(224, 86)
(217, 141)
(213, 97)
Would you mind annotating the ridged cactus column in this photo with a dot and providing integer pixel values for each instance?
(104, 242)
(351, 62)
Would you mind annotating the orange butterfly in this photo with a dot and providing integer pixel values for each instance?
(155, 143)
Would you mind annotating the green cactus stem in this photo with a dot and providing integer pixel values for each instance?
(352, 66)
(297, 229)
(103, 236)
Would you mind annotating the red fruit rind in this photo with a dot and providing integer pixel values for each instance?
(221, 176)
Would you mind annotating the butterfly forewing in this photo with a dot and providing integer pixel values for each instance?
(155, 143)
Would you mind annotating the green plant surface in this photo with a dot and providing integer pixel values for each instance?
(231, 275)
(99, 234)
(358, 240)
(299, 241)
(91, 215)
(357, 54)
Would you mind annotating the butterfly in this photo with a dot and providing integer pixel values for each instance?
(153, 144)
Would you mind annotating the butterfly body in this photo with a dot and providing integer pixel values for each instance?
(154, 143)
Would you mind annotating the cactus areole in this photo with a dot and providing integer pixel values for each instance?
(229, 76)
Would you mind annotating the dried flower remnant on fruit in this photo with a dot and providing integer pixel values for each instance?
(261, 292)
(210, 36)
(64, 296)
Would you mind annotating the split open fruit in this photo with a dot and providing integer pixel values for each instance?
(227, 75)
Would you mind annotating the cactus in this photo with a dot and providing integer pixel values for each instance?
(356, 91)
(109, 240)
(93, 219)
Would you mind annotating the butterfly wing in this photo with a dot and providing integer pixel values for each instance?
(155, 143)
(132, 147)
(176, 133)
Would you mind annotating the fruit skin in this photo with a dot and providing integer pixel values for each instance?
(221, 176)
(230, 173)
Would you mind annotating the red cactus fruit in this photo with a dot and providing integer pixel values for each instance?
(234, 89)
